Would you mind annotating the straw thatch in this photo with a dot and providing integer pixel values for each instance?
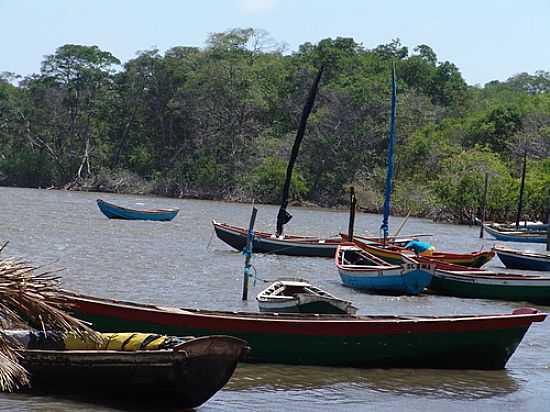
(32, 297)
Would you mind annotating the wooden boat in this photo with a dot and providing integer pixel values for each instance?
(361, 270)
(299, 296)
(393, 254)
(186, 376)
(527, 236)
(118, 212)
(292, 245)
(460, 342)
(460, 281)
(523, 259)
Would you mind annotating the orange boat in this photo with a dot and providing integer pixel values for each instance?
(392, 254)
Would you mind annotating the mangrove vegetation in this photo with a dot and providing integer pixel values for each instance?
(218, 122)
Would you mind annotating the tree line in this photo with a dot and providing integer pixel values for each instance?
(218, 122)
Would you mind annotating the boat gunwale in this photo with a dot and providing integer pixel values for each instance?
(316, 319)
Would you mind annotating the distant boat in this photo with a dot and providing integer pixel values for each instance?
(118, 212)
(361, 270)
(460, 281)
(513, 235)
(523, 259)
(186, 376)
(385, 341)
(392, 254)
(299, 296)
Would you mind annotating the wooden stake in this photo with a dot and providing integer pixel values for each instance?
(353, 202)
(484, 205)
(521, 189)
(548, 228)
(248, 252)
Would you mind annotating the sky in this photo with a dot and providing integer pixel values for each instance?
(486, 39)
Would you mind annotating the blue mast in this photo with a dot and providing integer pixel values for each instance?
(389, 172)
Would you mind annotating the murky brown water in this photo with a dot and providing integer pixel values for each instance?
(182, 263)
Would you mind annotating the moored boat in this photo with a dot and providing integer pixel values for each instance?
(523, 259)
(361, 270)
(292, 245)
(185, 376)
(299, 296)
(513, 235)
(113, 211)
(460, 281)
(393, 253)
(460, 342)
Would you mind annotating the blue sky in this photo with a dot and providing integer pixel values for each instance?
(487, 39)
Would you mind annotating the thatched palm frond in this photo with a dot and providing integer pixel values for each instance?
(34, 299)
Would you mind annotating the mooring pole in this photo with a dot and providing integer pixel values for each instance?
(548, 225)
(484, 205)
(353, 202)
(247, 251)
(521, 189)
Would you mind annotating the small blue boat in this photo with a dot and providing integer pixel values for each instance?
(519, 259)
(525, 236)
(361, 270)
(117, 212)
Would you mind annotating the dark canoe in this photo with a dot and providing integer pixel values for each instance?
(392, 254)
(117, 212)
(186, 377)
(454, 280)
(292, 245)
(526, 236)
(460, 342)
(519, 259)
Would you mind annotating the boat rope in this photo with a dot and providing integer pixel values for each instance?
(252, 273)
(210, 240)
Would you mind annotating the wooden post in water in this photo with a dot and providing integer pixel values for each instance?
(521, 189)
(248, 252)
(548, 223)
(484, 205)
(353, 202)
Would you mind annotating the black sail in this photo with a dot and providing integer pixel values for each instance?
(283, 217)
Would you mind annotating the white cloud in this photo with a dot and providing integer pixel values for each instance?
(256, 6)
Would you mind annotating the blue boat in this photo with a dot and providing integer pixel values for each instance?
(117, 212)
(361, 270)
(519, 259)
(524, 236)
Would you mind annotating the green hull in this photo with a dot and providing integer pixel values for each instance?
(534, 294)
(481, 349)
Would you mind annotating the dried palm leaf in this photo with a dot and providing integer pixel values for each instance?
(33, 298)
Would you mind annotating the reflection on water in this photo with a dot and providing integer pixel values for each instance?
(463, 384)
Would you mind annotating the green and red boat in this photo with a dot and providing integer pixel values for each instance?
(450, 342)
(392, 254)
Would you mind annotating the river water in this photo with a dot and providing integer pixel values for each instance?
(181, 263)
